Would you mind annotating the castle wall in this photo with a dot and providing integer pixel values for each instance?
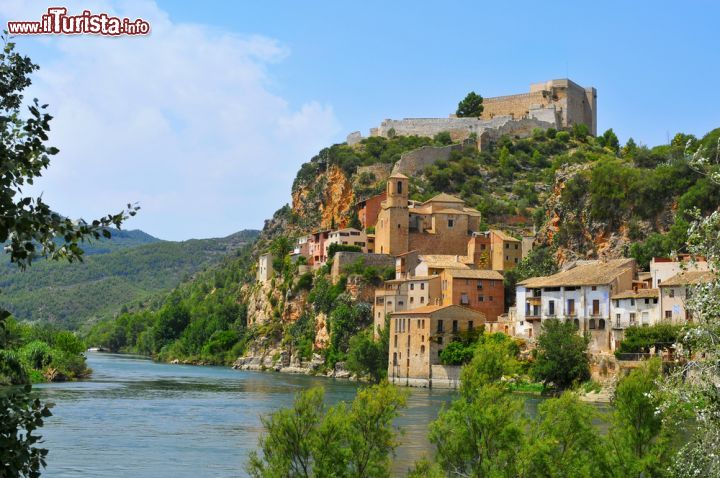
(417, 160)
(517, 106)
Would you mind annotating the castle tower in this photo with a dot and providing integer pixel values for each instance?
(392, 227)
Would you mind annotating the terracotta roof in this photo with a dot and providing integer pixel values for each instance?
(504, 236)
(429, 309)
(689, 278)
(474, 274)
(411, 279)
(640, 294)
(443, 197)
(397, 176)
(444, 261)
(585, 273)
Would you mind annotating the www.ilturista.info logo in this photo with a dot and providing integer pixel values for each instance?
(58, 22)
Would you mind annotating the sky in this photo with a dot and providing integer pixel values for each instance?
(205, 122)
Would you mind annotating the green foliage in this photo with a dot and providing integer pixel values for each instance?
(565, 442)
(312, 440)
(539, 262)
(335, 248)
(480, 434)
(367, 356)
(643, 434)
(200, 320)
(609, 140)
(562, 355)
(642, 339)
(494, 358)
(128, 272)
(470, 106)
(347, 319)
(443, 138)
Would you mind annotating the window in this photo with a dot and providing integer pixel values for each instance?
(412, 299)
(654, 301)
(422, 300)
(395, 359)
(481, 298)
(632, 317)
(490, 298)
(516, 260)
(400, 303)
(596, 307)
(632, 301)
(412, 286)
(594, 288)
(671, 292)
(396, 341)
(516, 246)
(577, 324)
(647, 301)
(571, 306)
(399, 187)
(551, 307)
(668, 314)
(591, 323)
(507, 258)
(479, 285)
(422, 286)
(464, 299)
(601, 324)
(440, 326)
(470, 325)
(455, 326)
(451, 223)
(422, 350)
(439, 341)
(507, 246)
(379, 300)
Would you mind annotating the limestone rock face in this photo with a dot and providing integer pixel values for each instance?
(322, 336)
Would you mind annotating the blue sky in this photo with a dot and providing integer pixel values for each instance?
(206, 121)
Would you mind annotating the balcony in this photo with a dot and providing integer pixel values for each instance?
(532, 317)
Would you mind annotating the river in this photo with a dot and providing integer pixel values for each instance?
(139, 418)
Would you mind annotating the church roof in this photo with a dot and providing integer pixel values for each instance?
(442, 197)
(397, 176)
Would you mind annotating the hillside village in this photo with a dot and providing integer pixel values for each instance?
(447, 273)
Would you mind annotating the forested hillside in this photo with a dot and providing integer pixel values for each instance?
(117, 275)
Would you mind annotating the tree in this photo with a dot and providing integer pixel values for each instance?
(643, 429)
(470, 106)
(311, 440)
(480, 434)
(562, 355)
(28, 229)
(367, 356)
(482, 431)
(564, 441)
(539, 262)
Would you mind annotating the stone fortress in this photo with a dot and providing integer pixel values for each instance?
(558, 104)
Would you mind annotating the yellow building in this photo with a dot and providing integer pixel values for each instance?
(417, 337)
(440, 225)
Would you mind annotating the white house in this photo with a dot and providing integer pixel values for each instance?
(581, 294)
(675, 291)
(265, 267)
(633, 308)
(347, 237)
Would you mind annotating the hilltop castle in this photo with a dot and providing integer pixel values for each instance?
(555, 104)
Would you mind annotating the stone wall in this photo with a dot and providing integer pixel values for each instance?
(344, 259)
(517, 106)
(415, 161)
(445, 376)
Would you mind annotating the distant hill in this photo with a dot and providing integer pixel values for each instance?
(119, 274)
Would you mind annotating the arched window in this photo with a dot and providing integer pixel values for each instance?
(601, 324)
(591, 323)
(399, 187)
(422, 349)
(395, 359)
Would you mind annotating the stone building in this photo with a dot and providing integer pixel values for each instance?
(316, 248)
(265, 267)
(441, 225)
(562, 101)
(663, 268)
(551, 104)
(417, 337)
(404, 294)
(477, 289)
(580, 293)
(674, 292)
(503, 251)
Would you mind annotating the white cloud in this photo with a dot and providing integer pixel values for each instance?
(183, 121)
